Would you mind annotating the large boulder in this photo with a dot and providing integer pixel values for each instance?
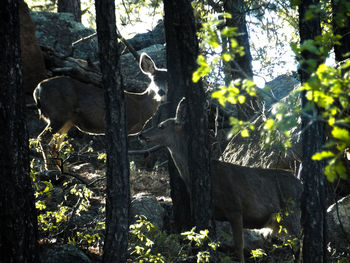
(338, 219)
(252, 151)
(60, 30)
(143, 40)
(144, 204)
(62, 254)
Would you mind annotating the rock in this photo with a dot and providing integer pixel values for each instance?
(60, 30)
(62, 254)
(339, 227)
(252, 239)
(279, 88)
(156, 36)
(251, 151)
(147, 205)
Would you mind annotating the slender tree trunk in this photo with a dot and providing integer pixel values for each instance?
(237, 9)
(314, 198)
(18, 222)
(241, 66)
(176, 90)
(118, 196)
(182, 52)
(70, 6)
(341, 26)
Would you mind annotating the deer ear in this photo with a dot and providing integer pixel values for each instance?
(181, 111)
(147, 65)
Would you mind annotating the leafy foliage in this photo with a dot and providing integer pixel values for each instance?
(149, 244)
(329, 89)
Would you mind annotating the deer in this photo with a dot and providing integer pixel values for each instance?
(246, 197)
(64, 102)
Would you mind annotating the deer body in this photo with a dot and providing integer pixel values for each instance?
(246, 197)
(64, 102)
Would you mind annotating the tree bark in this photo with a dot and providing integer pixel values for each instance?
(70, 6)
(237, 9)
(341, 26)
(18, 222)
(314, 198)
(118, 196)
(241, 66)
(182, 52)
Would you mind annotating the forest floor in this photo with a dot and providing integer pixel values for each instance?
(78, 196)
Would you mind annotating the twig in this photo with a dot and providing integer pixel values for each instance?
(149, 150)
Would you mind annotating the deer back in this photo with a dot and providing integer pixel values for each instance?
(255, 193)
(62, 99)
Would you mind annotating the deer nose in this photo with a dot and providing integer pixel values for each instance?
(161, 92)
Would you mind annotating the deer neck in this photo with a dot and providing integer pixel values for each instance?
(179, 153)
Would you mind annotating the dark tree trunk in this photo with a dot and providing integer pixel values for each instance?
(182, 52)
(241, 66)
(118, 196)
(314, 198)
(70, 6)
(18, 222)
(237, 9)
(341, 26)
(176, 90)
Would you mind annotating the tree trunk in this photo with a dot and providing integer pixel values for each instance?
(241, 66)
(341, 26)
(18, 222)
(182, 52)
(314, 198)
(118, 196)
(237, 9)
(70, 6)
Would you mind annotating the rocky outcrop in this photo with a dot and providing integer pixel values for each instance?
(57, 31)
(338, 219)
(60, 30)
(251, 151)
(62, 254)
(143, 204)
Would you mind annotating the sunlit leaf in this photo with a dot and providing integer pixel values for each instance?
(321, 155)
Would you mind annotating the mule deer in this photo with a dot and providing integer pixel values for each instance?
(246, 197)
(64, 102)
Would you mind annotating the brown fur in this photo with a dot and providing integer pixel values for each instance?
(64, 102)
(246, 197)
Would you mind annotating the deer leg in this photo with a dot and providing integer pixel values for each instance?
(44, 139)
(48, 145)
(55, 145)
(236, 222)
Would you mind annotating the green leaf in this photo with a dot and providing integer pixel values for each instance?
(341, 134)
(245, 133)
(241, 99)
(269, 124)
(340, 169)
(227, 57)
(321, 155)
